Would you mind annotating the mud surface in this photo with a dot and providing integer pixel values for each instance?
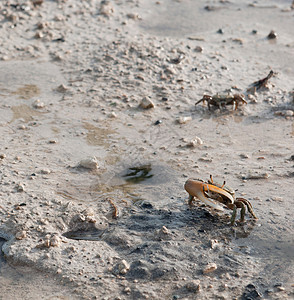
(100, 132)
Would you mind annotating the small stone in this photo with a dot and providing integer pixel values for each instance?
(21, 235)
(289, 113)
(38, 104)
(244, 155)
(252, 98)
(52, 141)
(22, 127)
(45, 171)
(210, 268)
(133, 16)
(184, 120)
(277, 199)
(89, 163)
(20, 187)
(113, 115)
(121, 268)
(2, 156)
(194, 143)
(146, 103)
(55, 241)
(198, 49)
(127, 290)
(106, 8)
(62, 88)
(39, 35)
(272, 35)
(193, 286)
(214, 244)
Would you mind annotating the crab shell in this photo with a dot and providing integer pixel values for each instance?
(196, 188)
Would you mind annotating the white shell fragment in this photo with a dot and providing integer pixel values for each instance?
(89, 163)
(210, 268)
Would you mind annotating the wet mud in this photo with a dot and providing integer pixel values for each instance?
(100, 132)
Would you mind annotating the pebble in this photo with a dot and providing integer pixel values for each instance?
(89, 163)
(127, 290)
(62, 88)
(252, 98)
(45, 171)
(277, 199)
(162, 233)
(244, 155)
(194, 143)
(106, 8)
(55, 241)
(146, 103)
(198, 49)
(38, 104)
(2, 156)
(184, 120)
(113, 115)
(193, 286)
(121, 268)
(211, 267)
(21, 235)
(272, 35)
(20, 187)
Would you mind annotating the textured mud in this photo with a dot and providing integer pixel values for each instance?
(100, 132)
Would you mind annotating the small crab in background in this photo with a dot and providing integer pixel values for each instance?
(213, 194)
(221, 101)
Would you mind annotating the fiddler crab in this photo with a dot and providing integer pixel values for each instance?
(211, 192)
(221, 101)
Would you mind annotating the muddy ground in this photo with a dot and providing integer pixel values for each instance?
(92, 204)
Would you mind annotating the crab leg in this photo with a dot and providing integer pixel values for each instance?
(197, 188)
(249, 206)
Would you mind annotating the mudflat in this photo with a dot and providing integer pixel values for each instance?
(100, 132)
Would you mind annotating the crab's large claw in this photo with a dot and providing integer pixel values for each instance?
(195, 188)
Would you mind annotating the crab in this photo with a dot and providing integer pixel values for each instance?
(211, 194)
(221, 101)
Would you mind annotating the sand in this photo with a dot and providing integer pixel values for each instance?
(100, 132)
